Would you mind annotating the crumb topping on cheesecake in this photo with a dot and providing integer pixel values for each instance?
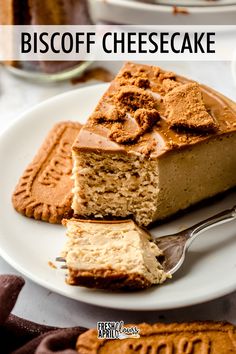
(149, 111)
(111, 115)
(185, 108)
(168, 85)
(139, 79)
(145, 118)
(132, 98)
(122, 136)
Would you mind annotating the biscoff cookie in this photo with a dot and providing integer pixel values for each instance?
(44, 192)
(173, 338)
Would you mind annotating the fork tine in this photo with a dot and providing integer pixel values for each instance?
(60, 259)
(64, 267)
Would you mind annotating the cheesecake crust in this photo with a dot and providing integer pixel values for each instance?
(107, 279)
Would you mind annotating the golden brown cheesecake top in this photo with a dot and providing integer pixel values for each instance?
(149, 111)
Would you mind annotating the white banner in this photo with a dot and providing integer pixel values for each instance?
(109, 43)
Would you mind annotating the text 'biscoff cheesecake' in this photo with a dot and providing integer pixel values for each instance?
(111, 255)
(155, 144)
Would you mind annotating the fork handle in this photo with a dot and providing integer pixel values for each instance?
(218, 219)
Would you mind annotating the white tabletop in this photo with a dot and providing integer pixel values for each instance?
(40, 305)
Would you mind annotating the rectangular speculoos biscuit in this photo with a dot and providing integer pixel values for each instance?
(44, 191)
(174, 338)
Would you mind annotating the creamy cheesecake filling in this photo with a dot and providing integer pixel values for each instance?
(120, 186)
(115, 186)
(121, 247)
(189, 176)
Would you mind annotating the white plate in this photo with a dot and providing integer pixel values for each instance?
(207, 3)
(135, 12)
(28, 245)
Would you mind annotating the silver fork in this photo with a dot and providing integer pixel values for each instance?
(175, 246)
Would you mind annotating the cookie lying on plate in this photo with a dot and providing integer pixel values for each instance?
(111, 255)
(173, 338)
(44, 191)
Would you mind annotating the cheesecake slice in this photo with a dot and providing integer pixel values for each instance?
(111, 255)
(156, 144)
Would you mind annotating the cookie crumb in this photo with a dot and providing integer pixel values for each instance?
(180, 10)
(110, 115)
(52, 265)
(133, 98)
(185, 109)
(146, 118)
(168, 85)
(139, 79)
(121, 136)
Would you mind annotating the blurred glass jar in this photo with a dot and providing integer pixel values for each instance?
(45, 12)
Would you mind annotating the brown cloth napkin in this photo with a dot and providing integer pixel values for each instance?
(19, 336)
